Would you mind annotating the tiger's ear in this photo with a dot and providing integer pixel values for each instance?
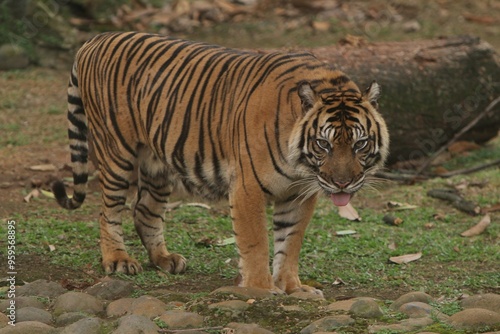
(372, 93)
(307, 95)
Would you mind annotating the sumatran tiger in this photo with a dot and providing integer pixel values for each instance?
(254, 128)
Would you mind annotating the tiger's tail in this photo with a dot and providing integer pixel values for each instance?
(78, 144)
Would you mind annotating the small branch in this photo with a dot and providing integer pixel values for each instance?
(458, 135)
(456, 200)
(404, 177)
(471, 169)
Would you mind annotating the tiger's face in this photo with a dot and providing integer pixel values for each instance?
(341, 141)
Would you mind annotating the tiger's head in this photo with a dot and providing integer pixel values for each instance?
(341, 140)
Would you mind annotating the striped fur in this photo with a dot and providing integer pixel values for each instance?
(253, 128)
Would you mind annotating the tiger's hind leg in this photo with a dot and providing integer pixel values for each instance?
(114, 184)
(149, 214)
(290, 221)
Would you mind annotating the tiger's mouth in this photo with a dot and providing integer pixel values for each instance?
(341, 198)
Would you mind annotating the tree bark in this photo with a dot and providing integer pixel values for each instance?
(430, 89)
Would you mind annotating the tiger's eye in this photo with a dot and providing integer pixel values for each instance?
(360, 144)
(323, 144)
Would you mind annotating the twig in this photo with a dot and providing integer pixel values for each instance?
(173, 331)
(401, 176)
(458, 135)
(456, 200)
(470, 170)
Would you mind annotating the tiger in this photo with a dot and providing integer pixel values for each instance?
(253, 128)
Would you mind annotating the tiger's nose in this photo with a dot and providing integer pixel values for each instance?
(341, 183)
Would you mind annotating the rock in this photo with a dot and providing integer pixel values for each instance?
(328, 324)
(111, 289)
(84, 326)
(304, 295)
(77, 302)
(22, 302)
(28, 327)
(248, 328)
(120, 307)
(366, 308)
(387, 328)
(416, 296)
(33, 314)
(180, 319)
(136, 324)
(416, 309)
(41, 288)
(243, 292)
(147, 306)
(343, 305)
(235, 306)
(13, 57)
(4, 320)
(66, 319)
(474, 318)
(488, 301)
(416, 323)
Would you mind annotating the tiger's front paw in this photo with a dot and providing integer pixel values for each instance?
(121, 264)
(308, 289)
(172, 263)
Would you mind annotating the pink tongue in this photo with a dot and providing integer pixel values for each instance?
(341, 199)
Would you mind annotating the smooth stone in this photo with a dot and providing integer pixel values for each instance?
(177, 319)
(387, 328)
(342, 305)
(119, 307)
(66, 319)
(328, 323)
(21, 302)
(366, 308)
(416, 309)
(474, 318)
(305, 295)
(28, 327)
(416, 323)
(415, 296)
(41, 288)
(231, 305)
(488, 301)
(147, 306)
(84, 326)
(4, 320)
(248, 328)
(111, 289)
(243, 292)
(77, 302)
(33, 314)
(136, 324)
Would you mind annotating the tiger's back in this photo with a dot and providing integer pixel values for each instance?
(225, 124)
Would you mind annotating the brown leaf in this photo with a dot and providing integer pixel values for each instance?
(392, 246)
(493, 208)
(33, 194)
(462, 147)
(478, 228)
(348, 212)
(406, 258)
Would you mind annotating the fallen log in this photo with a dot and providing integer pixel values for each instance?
(431, 89)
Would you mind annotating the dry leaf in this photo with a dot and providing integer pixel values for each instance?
(348, 212)
(338, 281)
(345, 232)
(33, 194)
(493, 208)
(478, 228)
(43, 168)
(429, 226)
(199, 205)
(406, 258)
(52, 248)
(47, 193)
(392, 246)
(251, 301)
